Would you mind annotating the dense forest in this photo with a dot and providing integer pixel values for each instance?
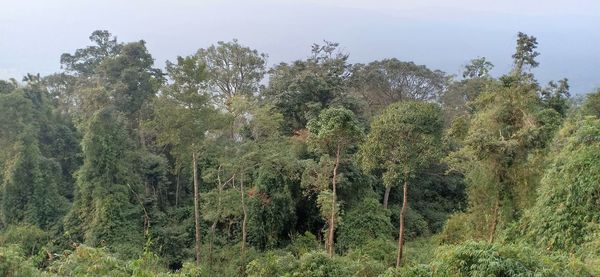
(219, 165)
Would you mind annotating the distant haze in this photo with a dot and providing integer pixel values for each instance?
(441, 34)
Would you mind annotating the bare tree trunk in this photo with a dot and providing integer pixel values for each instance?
(330, 238)
(244, 222)
(494, 222)
(196, 208)
(386, 196)
(401, 232)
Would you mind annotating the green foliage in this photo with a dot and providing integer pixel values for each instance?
(458, 228)
(31, 239)
(300, 90)
(408, 271)
(478, 68)
(381, 83)
(365, 222)
(14, 263)
(335, 128)
(86, 261)
(232, 69)
(566, 212)
(271, 207)
(403, 139)
(318, 264)
(302, 244)
(525, 53)
(106, 211)
(556, 95)
(500, 155)
(592, 104)
(482, 259)
(30, 188)
(273, 263)
(114, 145)
(415, 224)
(381, 250)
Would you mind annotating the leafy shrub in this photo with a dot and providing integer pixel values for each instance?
(14, 263)
(318, 264)
(302, 244)
(457, 229)
(484, 259)
(88, 261)
(272, 263)
(29, 237)
(365, 222)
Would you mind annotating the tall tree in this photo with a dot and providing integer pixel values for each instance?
(500, 157)
(525, 53)
(110, 73)
(85, 61)
(37, 157)
(566, 210)
(478, 68)
(105, 211)
(30, 192)
(404, 138)
(333, 134)
(183, 116)
(556, 96)
(232, 69)
(381, 83)
(302, 89)
(456, 100)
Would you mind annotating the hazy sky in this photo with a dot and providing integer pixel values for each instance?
(441, 34)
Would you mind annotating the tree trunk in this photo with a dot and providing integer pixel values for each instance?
(213, 228)
(330, 238)
(196, 208)
(386, 196)
(494, 222)
(214, 225)
(141, 135)
(401, 232)
(177, 190)
(244, 222)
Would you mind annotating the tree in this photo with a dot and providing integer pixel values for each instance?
(232, 70)
(404, 139)
(334, 133)
(565, 213)
(183, 118)
(9, 86)
(502, 153)
(35, 167)
(30, 192)
(302, 89)
(478, 68)
(85, 61)
(556, 95)
(592, 104)
(131, 82)
(105, 211)
(111, 74)
(381, 83)
(525, 53)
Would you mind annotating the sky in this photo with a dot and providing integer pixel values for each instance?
(440, 34)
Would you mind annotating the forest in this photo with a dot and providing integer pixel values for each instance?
(218, 164)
